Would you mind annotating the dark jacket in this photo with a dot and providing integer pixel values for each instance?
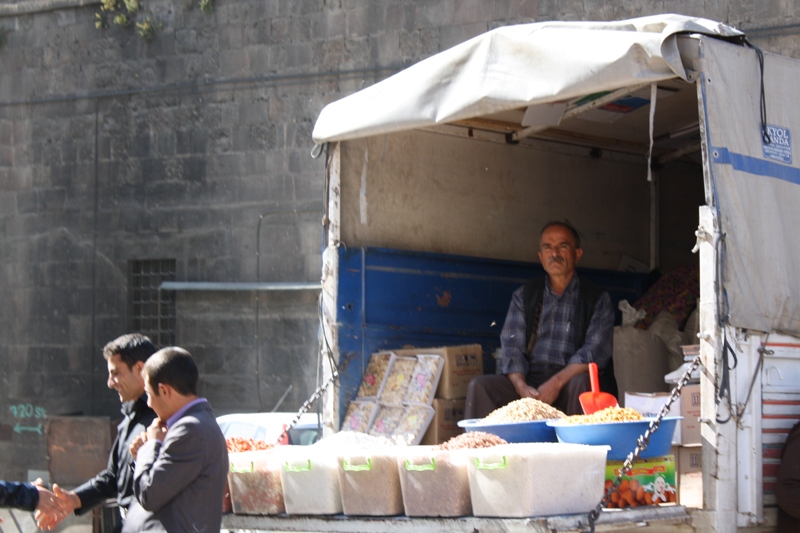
(18, 495)
(590, 293)
(116, 481)
(787, 490)
(180, 483)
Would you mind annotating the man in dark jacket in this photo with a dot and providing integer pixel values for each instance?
(125, 357)
(555, 327)
(30, 497)
(182, 459)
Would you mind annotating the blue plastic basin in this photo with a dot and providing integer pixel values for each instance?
(621, 436)
(536, 431)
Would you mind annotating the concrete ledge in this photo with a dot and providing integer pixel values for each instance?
(610, 520)
(31, 7)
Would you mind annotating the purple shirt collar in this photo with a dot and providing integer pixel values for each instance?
(180, 412)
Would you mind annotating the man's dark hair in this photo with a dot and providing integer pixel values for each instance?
(566, 225)
(175, 367)
(131, 348)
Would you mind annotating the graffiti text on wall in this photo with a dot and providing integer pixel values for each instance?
(27, 417)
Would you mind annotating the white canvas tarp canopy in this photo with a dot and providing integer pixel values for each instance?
(754, 185)
(516, 66)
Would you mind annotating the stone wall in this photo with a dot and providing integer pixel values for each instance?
(188, 148)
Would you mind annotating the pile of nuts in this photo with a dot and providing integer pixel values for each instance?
(472, 439)
(604, 416)
(524, 410)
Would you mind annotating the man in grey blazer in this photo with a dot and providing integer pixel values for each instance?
(182, 459)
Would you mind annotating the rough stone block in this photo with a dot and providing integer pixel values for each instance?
(453, 35)
(329, 25)
(233, 63)
(561, 9)
(299, 55)
(259, 59)
(53, 199)
(227, 164)
(27, 202)
(260, 31)
(386, 49)
(194, 168)
(186, 41)
(253, 112)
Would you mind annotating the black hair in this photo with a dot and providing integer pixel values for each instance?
(131, 348)
(175, 367)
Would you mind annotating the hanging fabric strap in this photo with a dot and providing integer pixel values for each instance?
(653, 95)
(725, 381)
(760, 55)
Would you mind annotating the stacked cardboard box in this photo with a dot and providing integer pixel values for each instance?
(687, 449)
(461, 364)
(690, 476)
(687, 433)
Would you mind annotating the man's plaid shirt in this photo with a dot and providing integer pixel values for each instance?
(554, 338)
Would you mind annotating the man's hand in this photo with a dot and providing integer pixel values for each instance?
(549, 391)
(523, 389)
(54, 506)
(157, 430)
(136, 443)
(529, 392)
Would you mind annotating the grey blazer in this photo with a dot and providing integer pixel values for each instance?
(179, 484)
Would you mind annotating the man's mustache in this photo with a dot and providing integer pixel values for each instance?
(555, 259)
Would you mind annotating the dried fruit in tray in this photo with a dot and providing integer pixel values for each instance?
(424, 379)
(397, 381)
(358, 416)
(374, 374)
(386, 420)
(413, 424)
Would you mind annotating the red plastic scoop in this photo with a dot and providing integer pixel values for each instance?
(595, 400)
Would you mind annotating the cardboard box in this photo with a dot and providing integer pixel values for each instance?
(461, 364)
(690, 411)
(649, 404)
(687, 433)
(690, 476)
(650, 482)
(444, 425)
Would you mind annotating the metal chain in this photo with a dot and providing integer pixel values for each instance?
(307, 405)
(642, 443)
(321, 389)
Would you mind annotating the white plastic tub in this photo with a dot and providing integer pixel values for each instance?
(536, 479)
(310, 481)
(434, 482)
(254, 480)
(370, 483)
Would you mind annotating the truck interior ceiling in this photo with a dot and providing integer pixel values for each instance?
(483, 187)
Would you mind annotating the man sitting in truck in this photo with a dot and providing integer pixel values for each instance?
(556, 325)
